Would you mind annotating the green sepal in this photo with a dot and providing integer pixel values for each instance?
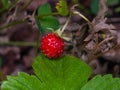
(62, 8)
(45, 19)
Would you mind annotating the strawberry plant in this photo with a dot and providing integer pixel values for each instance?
(55, 68)
(65, 73)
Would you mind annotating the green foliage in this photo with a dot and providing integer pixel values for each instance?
(6, 4)
(61, 73)
(49, 22)
(65, 73)
(117, 9)
(44, 9)
(62, 8)
(0, 62)
(45, 18)
(103, 83)
(112, 2)
(22, 82)
(95, 5)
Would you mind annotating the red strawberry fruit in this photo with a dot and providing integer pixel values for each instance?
(52, 45)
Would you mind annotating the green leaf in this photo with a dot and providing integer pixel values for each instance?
(49, 22)
(44, 9)
(23, 82)
(103, 83)
(65, 73)
(46, 19)
(6, 4)
(62, 8)
(112, 2)
(94, 6)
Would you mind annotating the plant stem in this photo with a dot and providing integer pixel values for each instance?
(12, 24)
(26, 4)
(37, 43)
(24, 21)
(66, 23)
(78, 13)
(11, 43)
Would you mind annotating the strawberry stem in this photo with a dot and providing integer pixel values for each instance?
(78, 13)
(66, 23)
(81, 15)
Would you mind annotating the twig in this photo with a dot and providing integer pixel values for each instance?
(66, 24)
(23, 21)
(26, 4)
(11, 43)
(78, 13)
(101, 14)
(100, 54)
(105, 40)
(13, 24)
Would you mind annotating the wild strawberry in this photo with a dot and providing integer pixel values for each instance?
(52, 45)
